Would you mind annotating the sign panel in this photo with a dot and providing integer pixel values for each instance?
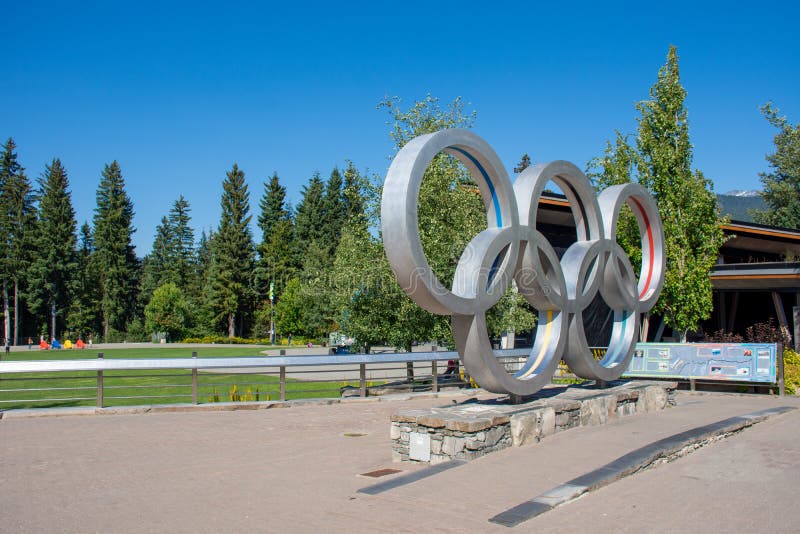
(741, 362)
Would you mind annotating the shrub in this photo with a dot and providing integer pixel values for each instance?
(791, 371)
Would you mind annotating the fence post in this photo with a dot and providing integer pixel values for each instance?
(100, 383)
(194, 378)
(779, 358)
(434, 372)
(362, 378)
(283, 382)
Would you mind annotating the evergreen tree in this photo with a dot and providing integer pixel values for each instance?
(688, 206)
(523, 164)
(308, 219)
(181, 257)
(54, 266)
(114, 257)
(84, 312)
(272, 205)
(333, 212)
(9, 169)
(156, 267)
(782, 186)
(233, 256)
(18, 222)
(276, 262)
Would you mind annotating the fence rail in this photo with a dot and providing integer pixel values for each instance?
(125, 381)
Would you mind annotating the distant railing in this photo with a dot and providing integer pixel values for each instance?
(104, 382)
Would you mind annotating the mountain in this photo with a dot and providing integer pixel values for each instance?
(742, 193)
(736, 204)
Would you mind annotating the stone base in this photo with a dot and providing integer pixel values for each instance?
(471, 430)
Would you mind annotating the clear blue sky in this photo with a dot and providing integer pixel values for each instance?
(178, 92)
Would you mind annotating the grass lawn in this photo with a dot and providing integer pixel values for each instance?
(32, 390)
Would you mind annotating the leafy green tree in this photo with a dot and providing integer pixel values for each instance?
(114, 259)
(618, 166)
(167, 312)
(782, 185)
(355, 193)
(233, 253)
(686, 201)
(289, 310)
(511, 315)
(373, 307)
(54, 267)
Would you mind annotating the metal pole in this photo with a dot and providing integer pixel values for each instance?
(194, 380)
(435, 374)
(283, 382)
(100, 384)
(362, 372)
(796, 314)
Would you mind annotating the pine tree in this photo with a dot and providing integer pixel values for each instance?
(9, 168)
(18, 224)
(333, 212)
(54, 265)
(308, 219)
(84, 313)
(233, 255)
(181, 257)
(277, 262)
(156, 267)
(523, 164)
(688, 206)
(114, 257)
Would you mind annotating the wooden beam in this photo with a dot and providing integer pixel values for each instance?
(784, 324)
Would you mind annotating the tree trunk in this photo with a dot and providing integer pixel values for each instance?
(6, 312)
(16, 312)
(231, 325)
(645, 327)
(53, 321)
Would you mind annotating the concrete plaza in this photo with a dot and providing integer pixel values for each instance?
(300, 469)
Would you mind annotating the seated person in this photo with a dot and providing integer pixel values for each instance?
(68, 344)
(55, 345)
(80, 344)
(43, 345)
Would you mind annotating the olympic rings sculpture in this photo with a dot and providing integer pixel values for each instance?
(512, 248)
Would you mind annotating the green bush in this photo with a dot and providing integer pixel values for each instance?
(791, 371)
(226, 340)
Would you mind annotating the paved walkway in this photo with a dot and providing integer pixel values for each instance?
(298, 470)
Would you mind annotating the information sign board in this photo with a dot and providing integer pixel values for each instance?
(741, 362)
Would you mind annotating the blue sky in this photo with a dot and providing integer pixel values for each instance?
(178, 92)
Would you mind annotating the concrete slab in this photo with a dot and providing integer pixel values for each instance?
(298, 470)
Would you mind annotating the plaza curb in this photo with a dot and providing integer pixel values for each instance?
(628, 464)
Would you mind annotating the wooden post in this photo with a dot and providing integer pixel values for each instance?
(362, 378)
(283, 382)
(194, 378)
(100, 383)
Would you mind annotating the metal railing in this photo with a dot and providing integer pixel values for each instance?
(106, 382)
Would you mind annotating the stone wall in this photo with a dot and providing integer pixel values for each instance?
(471, 430)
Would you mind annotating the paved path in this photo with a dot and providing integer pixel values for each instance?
(298, 469)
